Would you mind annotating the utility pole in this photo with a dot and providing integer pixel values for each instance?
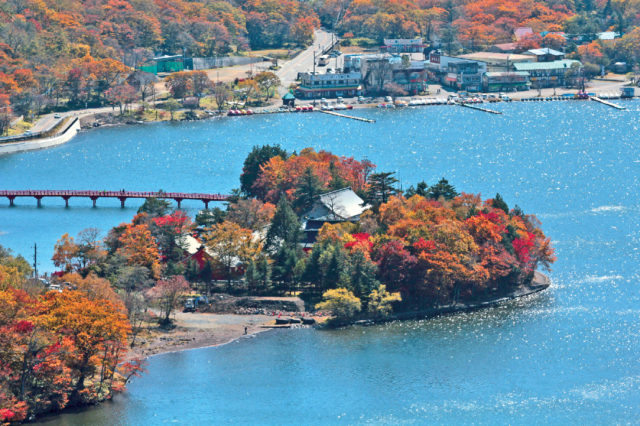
(35, 260)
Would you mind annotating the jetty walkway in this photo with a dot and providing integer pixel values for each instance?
(602, 101)
(337, 114)
(120, 195)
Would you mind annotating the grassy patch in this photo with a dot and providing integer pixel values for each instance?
(19, 128)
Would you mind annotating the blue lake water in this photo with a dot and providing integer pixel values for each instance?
(569, 355)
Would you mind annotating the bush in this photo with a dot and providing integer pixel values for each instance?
(341, 302)
(364, 42)
(380, 301)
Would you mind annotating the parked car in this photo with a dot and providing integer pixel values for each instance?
(56, 115)
(189, 305)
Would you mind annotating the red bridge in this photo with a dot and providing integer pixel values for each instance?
(120, 195)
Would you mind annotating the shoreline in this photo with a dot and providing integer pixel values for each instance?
(539, 283)
(221, 329)
(202, 330)
(41, 143)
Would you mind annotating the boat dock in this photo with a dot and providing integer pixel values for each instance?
(490, 111)
(607, 103)
(337, 114)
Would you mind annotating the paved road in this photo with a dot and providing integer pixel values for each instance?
(303, 62)
(48, 121)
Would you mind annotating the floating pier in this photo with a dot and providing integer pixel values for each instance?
(602, 101)
(490, 111)
(337, 114)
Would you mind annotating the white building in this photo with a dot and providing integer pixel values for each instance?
(329, 85)
(342, 205)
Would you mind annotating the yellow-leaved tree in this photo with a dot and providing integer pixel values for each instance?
(230, 245)
(342, 303)
(380, 301)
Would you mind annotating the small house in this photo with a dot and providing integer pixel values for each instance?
(627, 92)
(289, 100)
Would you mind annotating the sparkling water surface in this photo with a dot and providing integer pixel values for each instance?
(566, 356)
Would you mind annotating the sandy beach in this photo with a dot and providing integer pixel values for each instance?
(198, 330)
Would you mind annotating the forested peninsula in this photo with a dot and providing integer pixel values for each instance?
(328, 229)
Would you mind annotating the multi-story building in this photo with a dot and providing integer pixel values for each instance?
(549, 74)
(463, 74)
(411, 76)
(329, 85)
(508, 81)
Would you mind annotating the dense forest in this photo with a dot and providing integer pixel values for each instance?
(50, 49)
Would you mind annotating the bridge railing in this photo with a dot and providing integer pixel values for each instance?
(112, 194)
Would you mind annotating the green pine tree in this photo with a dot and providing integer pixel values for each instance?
(285, 227)
(499, 203)
(442, 189)
(381, 187)
(308, 188)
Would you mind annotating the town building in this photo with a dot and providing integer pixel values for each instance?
(506, 81)
(546, 54)
(342, 205)
(164, 64)
(505, 48)
(498, 61)
(608, 35)
(412, 78)
(329, 85)
(460, 73)
(379, 69)
(548, 74)
(403, 45)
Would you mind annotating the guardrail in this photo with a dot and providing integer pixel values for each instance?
(35, 135)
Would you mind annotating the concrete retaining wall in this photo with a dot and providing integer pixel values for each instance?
(29, 145)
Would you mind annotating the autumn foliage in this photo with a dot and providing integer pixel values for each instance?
(444, 250)
(57, 350)
(281, 176)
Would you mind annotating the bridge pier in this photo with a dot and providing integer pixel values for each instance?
(66, 200)
(94, 199)
(122, 200)
(178, 200)
(206, 204)
(39, 198)
(11, 198)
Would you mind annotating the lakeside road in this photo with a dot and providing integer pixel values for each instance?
(303, 62)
